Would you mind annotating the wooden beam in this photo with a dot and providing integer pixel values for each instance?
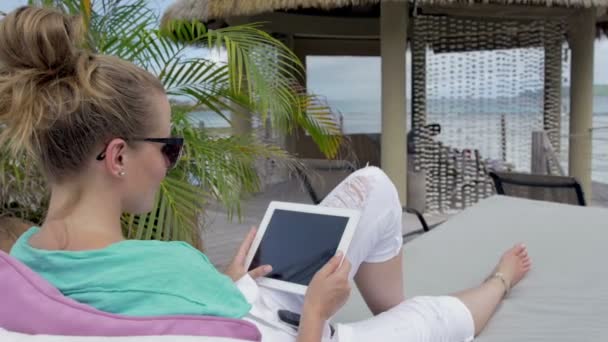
(338, 47)
(499, 11)
(314, 26)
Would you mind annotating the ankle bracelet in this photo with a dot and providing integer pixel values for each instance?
(504, 281)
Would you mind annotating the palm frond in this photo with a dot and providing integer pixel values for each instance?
(266, 71)
(225, 166)
(117, 28)
(323, 124)
(174, 217)
(19, 177)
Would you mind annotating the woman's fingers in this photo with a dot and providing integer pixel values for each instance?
(344, 269)
(329, 288)
(245, 245)
(260, 271)
(332, 265)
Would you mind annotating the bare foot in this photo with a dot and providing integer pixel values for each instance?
(514, 264)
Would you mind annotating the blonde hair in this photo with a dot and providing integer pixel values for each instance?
(60, 101)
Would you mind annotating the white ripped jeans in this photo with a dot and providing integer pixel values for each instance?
(377, 239)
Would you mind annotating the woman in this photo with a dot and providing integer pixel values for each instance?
(100, 128)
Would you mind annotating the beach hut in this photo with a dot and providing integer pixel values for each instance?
(384, 28)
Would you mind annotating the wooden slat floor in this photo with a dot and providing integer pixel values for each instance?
(222, 237)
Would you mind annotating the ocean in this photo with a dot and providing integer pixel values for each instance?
(476, 124)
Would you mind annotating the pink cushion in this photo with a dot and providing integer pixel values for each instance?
(29, 304)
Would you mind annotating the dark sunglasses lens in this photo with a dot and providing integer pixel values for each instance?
(172, 152)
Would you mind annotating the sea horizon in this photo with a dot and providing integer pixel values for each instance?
(473, 123)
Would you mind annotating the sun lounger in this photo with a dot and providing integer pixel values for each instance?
(563, 298)
(550, 188)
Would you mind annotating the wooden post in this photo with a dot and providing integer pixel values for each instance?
(393, 42)
(545, 160)
(539, 157)
(582, 39)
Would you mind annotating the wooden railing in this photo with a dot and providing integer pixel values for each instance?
(545, 160)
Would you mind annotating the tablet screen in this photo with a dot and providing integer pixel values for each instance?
(298, 244)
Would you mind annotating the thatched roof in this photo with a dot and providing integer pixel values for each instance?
(220, 9)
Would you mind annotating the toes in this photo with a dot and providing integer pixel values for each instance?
(523, 255)
(520, 249)
(515, 250)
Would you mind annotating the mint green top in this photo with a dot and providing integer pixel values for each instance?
(137, 278)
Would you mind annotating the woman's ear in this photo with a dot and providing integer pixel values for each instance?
(116, 157)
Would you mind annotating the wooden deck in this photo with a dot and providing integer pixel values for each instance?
(222, 237)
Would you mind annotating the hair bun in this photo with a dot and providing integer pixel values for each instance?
(40, 38)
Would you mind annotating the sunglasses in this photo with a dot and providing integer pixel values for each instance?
(172, 148)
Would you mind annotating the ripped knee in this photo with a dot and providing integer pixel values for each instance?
(353, 192)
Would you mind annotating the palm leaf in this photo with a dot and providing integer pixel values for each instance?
(177, 205)
(85, 9)
(270, 70)
(22, 188)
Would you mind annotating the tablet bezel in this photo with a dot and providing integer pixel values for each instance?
(347, 236)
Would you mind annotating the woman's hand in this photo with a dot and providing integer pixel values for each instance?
(236, 270)
(329, 289)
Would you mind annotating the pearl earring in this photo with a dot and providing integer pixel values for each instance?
(121, 173)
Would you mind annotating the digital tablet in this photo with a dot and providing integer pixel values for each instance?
(297, 240)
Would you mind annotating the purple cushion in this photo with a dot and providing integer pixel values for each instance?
(29, 304)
